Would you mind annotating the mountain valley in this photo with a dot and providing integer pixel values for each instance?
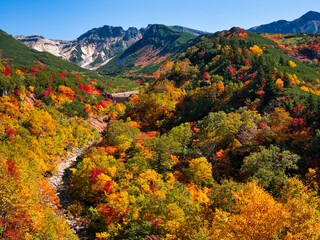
(162, 133)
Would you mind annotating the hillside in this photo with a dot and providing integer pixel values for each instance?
(300, 46)
(227, 132)
(145, 57)
(239, 60)
(17, 53)
(45, 114)
(308, 23)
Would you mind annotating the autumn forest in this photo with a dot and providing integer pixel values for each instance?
(221, 142)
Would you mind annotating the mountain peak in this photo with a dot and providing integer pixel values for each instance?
(159, 30)
(311, 15)
(105, 31)
(157, 26)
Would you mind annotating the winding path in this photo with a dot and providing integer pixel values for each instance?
(60, 180)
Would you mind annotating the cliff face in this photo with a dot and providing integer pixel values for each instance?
(92, 49)
(56, 47)
(308, 23)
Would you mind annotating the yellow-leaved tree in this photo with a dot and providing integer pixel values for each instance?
(200, 170)
(256, 215)
(280, 121)
(40, 123)
(302, 206)
(256, 50)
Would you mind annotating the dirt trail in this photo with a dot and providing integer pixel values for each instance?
(60, 180)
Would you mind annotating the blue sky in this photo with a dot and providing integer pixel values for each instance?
(68, 19)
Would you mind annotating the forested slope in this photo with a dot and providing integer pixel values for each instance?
(222, 145)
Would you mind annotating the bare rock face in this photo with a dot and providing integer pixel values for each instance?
(92, 49)
(98, 123)
(58, 48)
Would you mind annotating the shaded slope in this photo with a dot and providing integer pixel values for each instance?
(17, 53)
(308, 23)
(189, 30)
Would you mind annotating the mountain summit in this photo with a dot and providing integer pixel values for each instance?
(311, 16)
(308, 23)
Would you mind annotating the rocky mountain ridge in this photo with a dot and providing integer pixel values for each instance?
(308, 23)
(92, 49)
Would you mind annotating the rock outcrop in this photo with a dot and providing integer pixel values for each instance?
(58, 48)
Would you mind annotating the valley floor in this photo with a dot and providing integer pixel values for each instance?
(60, 180)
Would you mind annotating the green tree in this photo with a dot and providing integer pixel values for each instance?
(270, 90)
(174, 142)
(269, 165)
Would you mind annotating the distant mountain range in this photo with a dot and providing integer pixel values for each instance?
(99, 46)
(96, 47)
(308, 23)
